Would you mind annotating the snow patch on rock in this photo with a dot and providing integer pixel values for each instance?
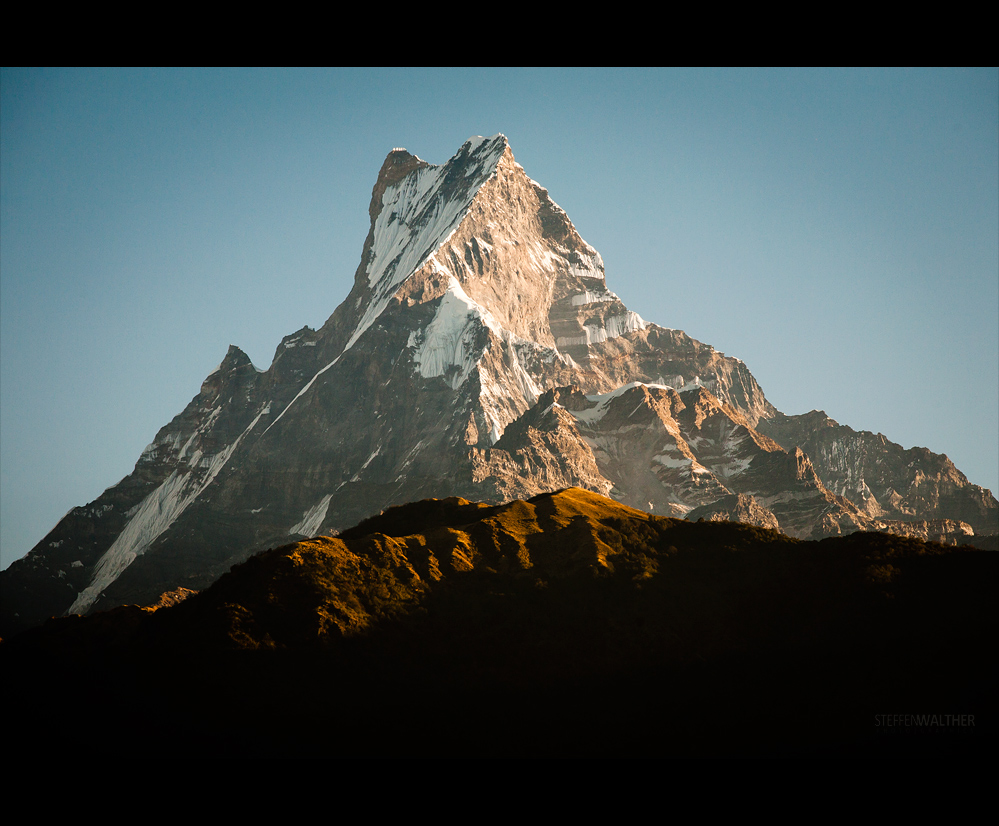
(312, 518)
(448, 342)
(155, 514)
(590, 297)
(414, 222)
(590, 265)
(612, 327)
(603, 401)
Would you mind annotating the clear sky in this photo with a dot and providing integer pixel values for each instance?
(838, 230)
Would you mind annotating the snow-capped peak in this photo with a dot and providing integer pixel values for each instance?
(418, 214)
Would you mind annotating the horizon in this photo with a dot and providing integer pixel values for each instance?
(836, 230)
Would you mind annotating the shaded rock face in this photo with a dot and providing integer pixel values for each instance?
(479, 353)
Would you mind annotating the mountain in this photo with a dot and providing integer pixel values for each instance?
(479, 354)
(565, 625)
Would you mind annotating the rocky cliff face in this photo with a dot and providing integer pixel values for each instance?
(479, 353)
(883, 479)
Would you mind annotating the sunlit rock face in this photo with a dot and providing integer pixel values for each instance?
(737, 507)
(480, 353)
(883, 479)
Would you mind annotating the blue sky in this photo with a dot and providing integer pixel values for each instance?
(838, 230)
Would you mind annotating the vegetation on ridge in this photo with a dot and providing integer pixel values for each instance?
(567, 624)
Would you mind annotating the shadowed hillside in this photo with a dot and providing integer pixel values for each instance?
(566, 625)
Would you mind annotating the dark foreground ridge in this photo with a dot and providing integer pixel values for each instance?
(567, 625)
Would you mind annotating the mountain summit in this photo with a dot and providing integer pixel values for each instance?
(479, 354)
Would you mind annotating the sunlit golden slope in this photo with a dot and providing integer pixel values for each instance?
(565, 625)
(389, 564)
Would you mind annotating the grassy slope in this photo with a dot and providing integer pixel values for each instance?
(567, 625)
